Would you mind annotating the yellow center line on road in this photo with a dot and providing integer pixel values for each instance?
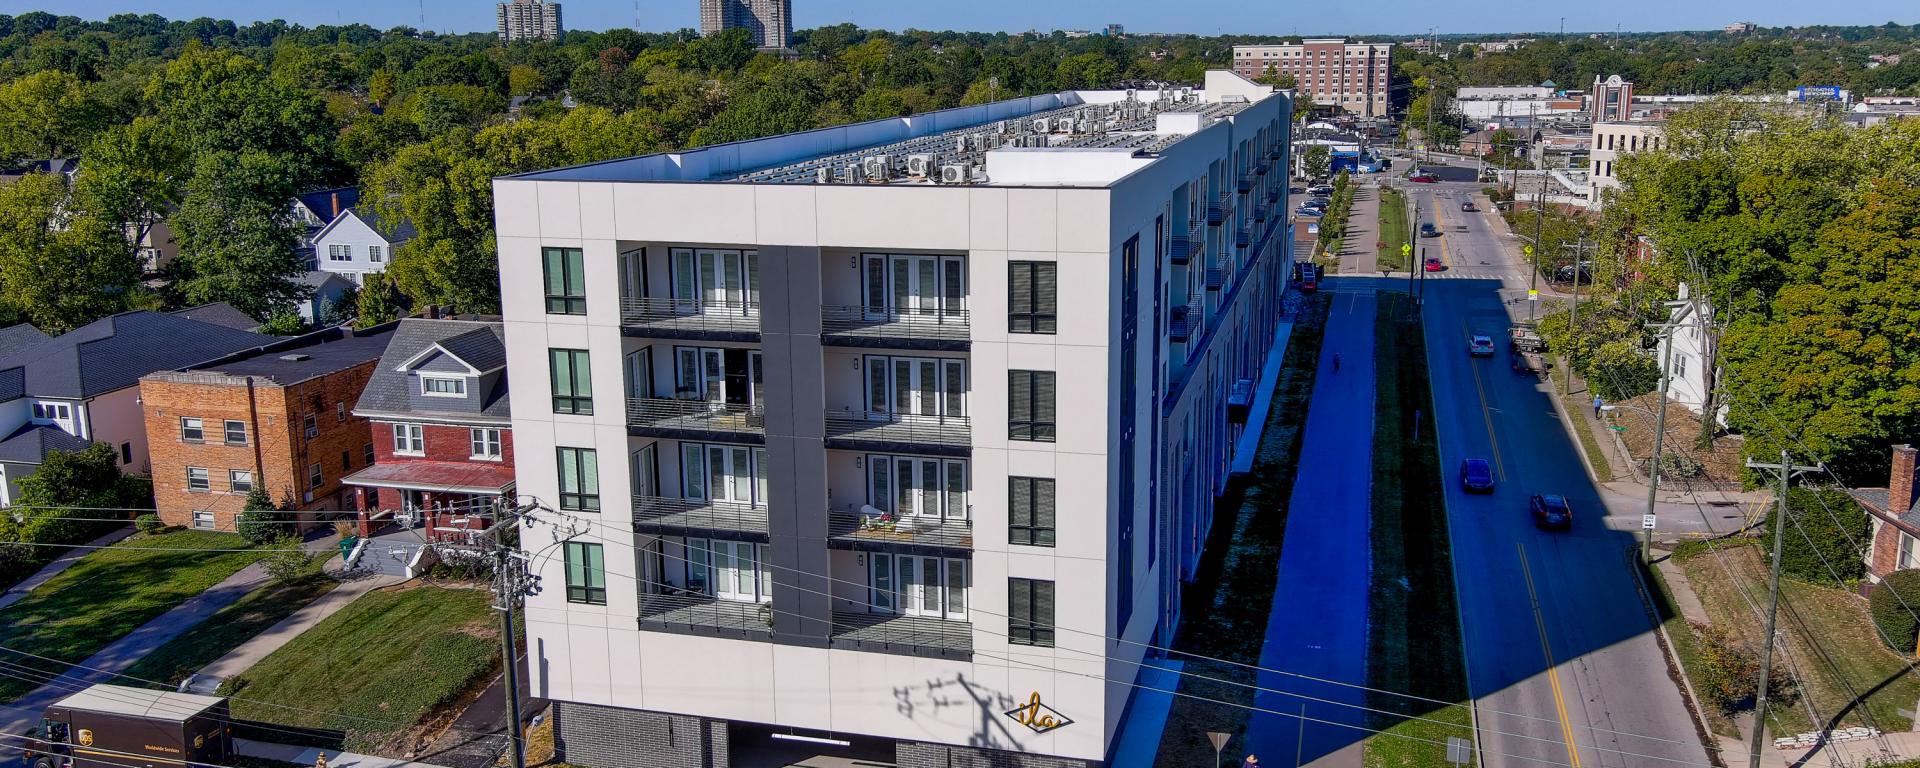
(1486, 413)
(1553, 668)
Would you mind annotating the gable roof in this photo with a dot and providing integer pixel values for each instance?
(30, 443)
(479, 344)
(19, 337)
(320, 201)
(317, 279)
(219, 313)
(113, 352)
(402, 231)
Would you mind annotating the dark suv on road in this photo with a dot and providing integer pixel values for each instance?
(1476, 476)
(1550, 512)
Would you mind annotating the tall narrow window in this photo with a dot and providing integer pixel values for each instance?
(566, 281)
(586, 573)
(1030, 612)
(572, 382)
(1031, 292)
(1030, 406)
(579, 480)
(486, 442)
(1030, 511)
(407, 439)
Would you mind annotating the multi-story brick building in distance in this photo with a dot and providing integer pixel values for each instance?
(1351, 76)
(443, 445)
(876, 433)
(770, 21)
(277, 417)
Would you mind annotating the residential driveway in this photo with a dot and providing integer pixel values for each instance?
(1318, 623)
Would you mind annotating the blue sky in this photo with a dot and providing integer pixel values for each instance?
(1354, 17)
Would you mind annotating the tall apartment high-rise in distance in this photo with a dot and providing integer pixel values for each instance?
(892, 441)
(528, 20)
(1352, 76)
(770, 21)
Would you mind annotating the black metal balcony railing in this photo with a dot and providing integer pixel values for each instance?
(898, 428)
(1216, 278)
(1180, 248)
(1244, 183)
(695, 415)
(684, 610)
(917, 635)
(660, 514)
(1259, 212)
(883, 324)
(1260, 168)
(1273, 194)
(1242, 236)
(1178, 329)
(1217, 212)
(690, 316)
(855, 529)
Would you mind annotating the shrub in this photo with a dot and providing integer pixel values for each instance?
(1825, 539)
(1892, 605)
(1678, 465)
(149, 524)
(289, 562)
(260, 521)
(1730, 672)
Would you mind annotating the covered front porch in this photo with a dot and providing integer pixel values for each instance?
(448, 501)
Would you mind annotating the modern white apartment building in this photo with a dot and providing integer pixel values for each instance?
(1352, 76)
(897, 437)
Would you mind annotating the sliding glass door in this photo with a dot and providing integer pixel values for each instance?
(716, 281)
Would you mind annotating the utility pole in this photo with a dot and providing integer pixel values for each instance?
(1573, 321)
(1659, 438)
(510, 587)
(1406, 251)
(1539, 218)
(1786, 469)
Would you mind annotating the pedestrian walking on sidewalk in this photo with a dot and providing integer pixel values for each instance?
(1250, 762)
(1597, 402)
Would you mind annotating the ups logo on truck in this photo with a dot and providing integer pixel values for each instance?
(86, 737)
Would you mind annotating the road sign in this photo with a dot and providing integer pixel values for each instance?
(1527, 249)
(1617, 428)
(1406, 249)
(1646, 522)
(1533, 294)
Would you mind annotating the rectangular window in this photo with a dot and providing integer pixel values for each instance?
(1030, 612)
(486, 443)
(1030, 511)
(340, 412)
(198, 479)
(346, 461)
(239, 480)
(368, 454)
(579, 480)
(1031, 293)
(192, 430)
(126, 454)
(1030, 406)
(203, 520)
(586, 573)
(310, 425)
(339, 253)
(315, 476)
(566, 281)
(443, 386)
(572, 380)
(407, 440)
(236, 432)
(376, 253)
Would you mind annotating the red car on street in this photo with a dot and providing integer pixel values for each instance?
(1433, 264)
(1425, 178)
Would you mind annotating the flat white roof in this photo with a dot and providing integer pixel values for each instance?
(140, 702)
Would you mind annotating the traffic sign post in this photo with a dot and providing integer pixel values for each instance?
(1219, 741)
(1646, 522)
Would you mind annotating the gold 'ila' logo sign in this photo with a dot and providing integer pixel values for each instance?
(1038, 717)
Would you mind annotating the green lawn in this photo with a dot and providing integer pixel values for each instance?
(1227, 605)
(378, 667)
(226, 630)
(1414, 642)
(1393, 228)
(110, 593)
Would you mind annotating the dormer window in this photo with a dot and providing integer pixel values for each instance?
(443, 386)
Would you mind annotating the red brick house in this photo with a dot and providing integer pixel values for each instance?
(1896, 524)
(442, 442)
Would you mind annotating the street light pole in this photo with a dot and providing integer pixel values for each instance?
(1653, 468)
(1786, 468)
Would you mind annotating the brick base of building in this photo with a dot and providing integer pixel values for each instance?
(911, 754)
(611, 737)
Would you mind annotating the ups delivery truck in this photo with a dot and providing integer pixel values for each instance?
(113, 725)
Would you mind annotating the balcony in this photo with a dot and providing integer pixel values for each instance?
(1244, 183)
(688, 319)
(681, 517)
(1182, 247)
(1218, 211)
(698, 614)
(872, 530)
(1178, 330)
(1273, 193)
(1216, 278)
(695, 419)
(1260, 168)
(910, 433)
(910, 635)
(1273, 153)
(1259, 212)
(910, 328)
(1242, 236)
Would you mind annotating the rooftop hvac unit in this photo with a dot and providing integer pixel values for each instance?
(876, 169)
(956, 173)
(1063, 126)
(1041, 125)
(1132, 95)
(823, 175)
(960, 144)
(853, 173)
(999, 126)
(920, 166)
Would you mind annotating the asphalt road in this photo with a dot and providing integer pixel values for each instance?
(1562, 656)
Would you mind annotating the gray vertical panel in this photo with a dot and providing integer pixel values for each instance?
(796, 473)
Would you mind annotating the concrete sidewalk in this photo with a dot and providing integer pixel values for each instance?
(1357, 253)
(238, 660)
(19, 591)
(288, 753)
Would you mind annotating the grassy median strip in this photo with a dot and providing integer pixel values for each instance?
(1414, 643)
(381, 665)
(226, 630)
(110, 593)
(1393, 228)
(1227, 605)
